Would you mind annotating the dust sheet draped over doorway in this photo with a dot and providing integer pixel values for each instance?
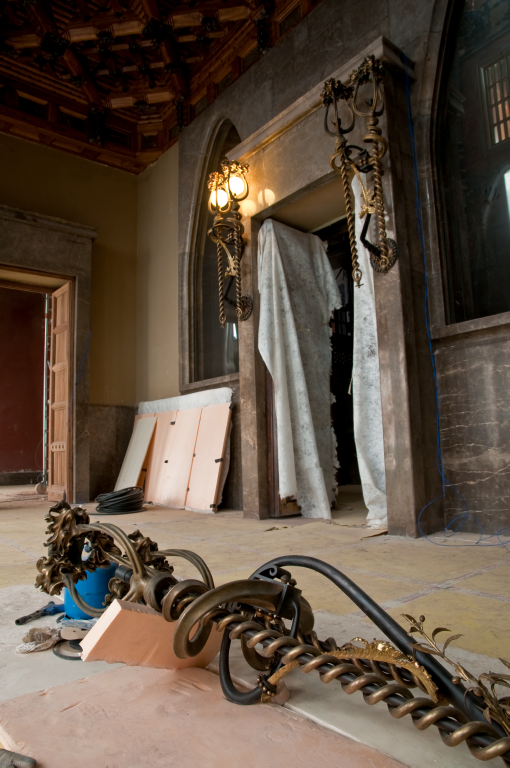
(298, 293)
(366, 385)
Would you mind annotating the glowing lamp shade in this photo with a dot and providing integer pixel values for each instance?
(218, 198)
(237, 185)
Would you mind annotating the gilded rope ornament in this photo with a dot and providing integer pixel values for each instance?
(370, 74)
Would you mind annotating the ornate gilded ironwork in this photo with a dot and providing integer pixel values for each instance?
(227, 189)
(383, 255)
(274, 624)
(497, 709)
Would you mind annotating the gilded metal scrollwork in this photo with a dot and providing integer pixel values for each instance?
(227, 189)
(383, 255)
(275, 625)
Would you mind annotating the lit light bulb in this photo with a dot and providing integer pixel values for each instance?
(219, 198)
(237, 185)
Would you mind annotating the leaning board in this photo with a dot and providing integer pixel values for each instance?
(136, 452)
(209, 456)
(161, 446)
(178, 458)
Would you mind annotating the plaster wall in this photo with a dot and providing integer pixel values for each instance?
(157, 370)
(54, 183)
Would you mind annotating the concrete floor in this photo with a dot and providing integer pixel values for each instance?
(466, 588)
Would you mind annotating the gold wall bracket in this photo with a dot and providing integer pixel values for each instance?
(367, 161)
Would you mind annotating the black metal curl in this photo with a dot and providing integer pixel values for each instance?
(339, 131)
(332, 93)
(375, 251)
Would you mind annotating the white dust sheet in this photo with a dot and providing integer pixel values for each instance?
(298, 293)
(184, 402)
(366, 387)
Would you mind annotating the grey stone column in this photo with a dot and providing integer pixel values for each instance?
(407, 385)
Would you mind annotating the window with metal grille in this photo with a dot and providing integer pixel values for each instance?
(497, 90)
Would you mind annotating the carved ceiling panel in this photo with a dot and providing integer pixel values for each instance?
(115, 80)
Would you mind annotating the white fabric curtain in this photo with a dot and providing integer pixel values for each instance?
(366, 387)
(298, 293)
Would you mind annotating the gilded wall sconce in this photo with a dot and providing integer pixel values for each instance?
(367, 161)
(226, 190)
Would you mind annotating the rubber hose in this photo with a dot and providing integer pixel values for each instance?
(124, 502)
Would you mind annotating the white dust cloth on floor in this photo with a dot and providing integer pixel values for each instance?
(366, 387)
(298, 293)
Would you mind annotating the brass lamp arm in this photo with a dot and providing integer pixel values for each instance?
(383, 255)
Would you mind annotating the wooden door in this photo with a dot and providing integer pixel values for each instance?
(60, 411)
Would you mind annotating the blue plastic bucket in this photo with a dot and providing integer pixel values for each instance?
(93, 590)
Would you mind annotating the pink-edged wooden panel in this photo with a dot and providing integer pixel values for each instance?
(179, 458)
(209, 456)
(158, 453)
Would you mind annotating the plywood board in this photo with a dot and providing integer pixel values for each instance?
(157, 458)
(136, 452)
(179, 458)
(209, 456)
(139, 636)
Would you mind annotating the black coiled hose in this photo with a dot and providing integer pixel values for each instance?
(122, 502)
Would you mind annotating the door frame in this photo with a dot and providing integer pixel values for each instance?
(69, 431)
(48, 290)
(35, 244)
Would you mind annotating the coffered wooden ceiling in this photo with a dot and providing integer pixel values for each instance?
(115, 80)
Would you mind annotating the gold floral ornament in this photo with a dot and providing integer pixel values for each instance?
(377, 650)
(497, 709)
(65, 543)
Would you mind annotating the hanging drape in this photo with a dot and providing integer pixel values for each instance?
(366, 387)
(298, 293)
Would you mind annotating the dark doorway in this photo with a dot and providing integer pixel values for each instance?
(342, 326)
(22, 321)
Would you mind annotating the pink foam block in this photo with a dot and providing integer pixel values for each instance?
(140, 637)
(145, 718)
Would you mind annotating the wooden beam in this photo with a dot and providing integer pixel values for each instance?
(26, 286)
(40, 131)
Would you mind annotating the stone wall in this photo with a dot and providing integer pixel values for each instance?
(324, 42)
(471, 361)
(110, 429)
